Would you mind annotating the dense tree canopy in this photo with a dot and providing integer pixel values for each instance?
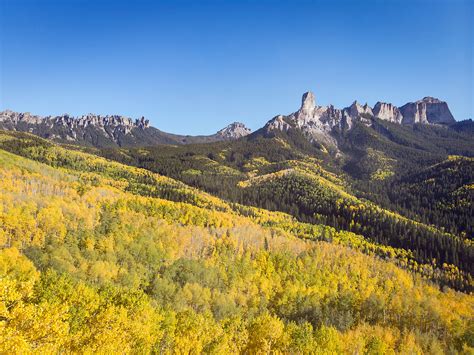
(97, 256)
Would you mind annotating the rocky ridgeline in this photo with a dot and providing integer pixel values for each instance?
(71, 122)
(315, 121)
(108, 130)
(321, 123)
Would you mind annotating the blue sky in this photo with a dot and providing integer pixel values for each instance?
(194, 66)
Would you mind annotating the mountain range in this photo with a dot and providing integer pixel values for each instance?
(323, 124)
(326, 123)
(107, 131)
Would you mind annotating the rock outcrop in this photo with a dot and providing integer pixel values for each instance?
(356, 110)
(278, 123)
(427, 110)
(325, 123)
(387, 112)
(234, 131)
(316, 122)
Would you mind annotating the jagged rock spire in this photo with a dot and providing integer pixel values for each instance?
(308, 102)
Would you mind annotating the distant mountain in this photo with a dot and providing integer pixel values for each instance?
(233, 131)
(107, 131)
(324, 124)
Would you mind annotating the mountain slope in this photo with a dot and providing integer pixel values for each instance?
(275, 174)
(442, 194)
(349, 188)
(101, 257)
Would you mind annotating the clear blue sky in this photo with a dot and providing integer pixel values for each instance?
(195, 66)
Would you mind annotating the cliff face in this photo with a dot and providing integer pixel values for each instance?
(387, 112)
(325, 123)
(427, 110)
(356, 110)
(316, 122)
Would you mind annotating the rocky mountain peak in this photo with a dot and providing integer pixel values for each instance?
(426, 110)
(234, 130)
(316, 122)
(430, 100)
(325, 123)
(308, 102)
(388, 112)
(356, 110)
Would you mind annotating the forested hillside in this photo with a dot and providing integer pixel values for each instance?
(98, 256)
(393, 185)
